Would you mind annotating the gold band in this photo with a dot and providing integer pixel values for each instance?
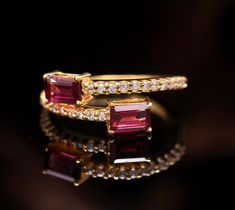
(130, 83)
(125, 83)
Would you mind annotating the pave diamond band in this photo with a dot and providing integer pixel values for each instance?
(121, 116)
(78, 88)
(145, 83)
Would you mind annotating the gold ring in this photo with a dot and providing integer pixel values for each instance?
(78, 88)
(121, 116)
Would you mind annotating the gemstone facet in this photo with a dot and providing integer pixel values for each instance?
(62, 164)
(129, 116)
(63, 89)
(129, 148)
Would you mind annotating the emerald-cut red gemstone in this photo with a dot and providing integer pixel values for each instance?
(63, 89)
(62, 164)
(130, 117)
(129, 148)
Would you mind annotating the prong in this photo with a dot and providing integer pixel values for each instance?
(45, 76)
(149, 130)
(82, 179)
(78, 161)
(149, 105)
(77, 78)
(78, 103)
(111, 132)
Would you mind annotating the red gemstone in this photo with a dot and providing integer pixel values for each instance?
(130, 117)
(129, 148)
(62, 164)
(62, 89)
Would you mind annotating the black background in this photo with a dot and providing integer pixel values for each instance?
(192, 38)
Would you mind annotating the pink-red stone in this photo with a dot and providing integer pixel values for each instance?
(130, 118)
(62, 164)
(129, 148)
(61, 89)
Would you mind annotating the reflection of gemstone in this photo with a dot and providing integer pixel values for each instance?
(130, 117)
(62, 164)
(60, 89)
(129, 148)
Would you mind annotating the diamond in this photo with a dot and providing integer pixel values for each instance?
(91, 115)
(124, 86)
(164, 85)
(70, 113)
(129, 117)
(63, 89)
(112, 87)
(80, 114)
(90, 88)
(135, 85)
(154, 86)
(101, 116)
(62, 112)
(101, 88)
(146, 86)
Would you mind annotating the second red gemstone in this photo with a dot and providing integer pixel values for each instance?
(62, 89)
(130, 117)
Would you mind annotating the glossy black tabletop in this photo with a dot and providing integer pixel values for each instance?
(191, 38)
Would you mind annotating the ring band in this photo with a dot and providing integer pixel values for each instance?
(78, 88)
(135, 113)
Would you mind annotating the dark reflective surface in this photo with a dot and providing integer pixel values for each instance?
(118, 157)
(192, 38)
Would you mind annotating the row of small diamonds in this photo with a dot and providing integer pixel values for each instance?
(136, 86)
(138, 170)
(74, 112)
(54, 134)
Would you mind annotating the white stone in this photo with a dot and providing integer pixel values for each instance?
(79, 114)
(90, 88)
(101, 88)
(135, 85)
(101, 116)
(164, 85)
(154, 86)
(146, 86)
(124, 86)
(91, 115)
(112, 87)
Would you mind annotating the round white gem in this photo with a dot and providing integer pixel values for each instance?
(62, 110)
(70, 113)
(124, 86)
(164, 85)
(154, 85)
(135, 85)
(90, 88)
(172, 84)
(101, 116)
(91, 115)
(112, 87)
(101, 88)
(79, 114)
(54, 109)
(147, 85)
